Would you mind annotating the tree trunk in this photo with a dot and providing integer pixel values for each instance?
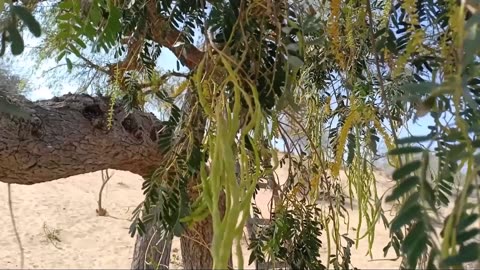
(151, 250)
(69, 135)
(196, 240)
(195, 243)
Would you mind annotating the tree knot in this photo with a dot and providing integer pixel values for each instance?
(95, 114)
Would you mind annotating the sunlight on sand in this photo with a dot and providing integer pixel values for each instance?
(66, 209)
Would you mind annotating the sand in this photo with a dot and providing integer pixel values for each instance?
(67, 207)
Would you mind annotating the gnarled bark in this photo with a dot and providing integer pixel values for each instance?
(152, 251)
(69, 135)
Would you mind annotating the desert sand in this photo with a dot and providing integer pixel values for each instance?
(65, 210)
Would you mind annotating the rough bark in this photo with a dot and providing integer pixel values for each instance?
(196, 241)
(69, 135)
(152, 251)
(195, 244)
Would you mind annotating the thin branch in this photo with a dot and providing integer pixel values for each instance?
(93, 65)
(17, 236)
(105, 178)
(163, 78)
(379, 73)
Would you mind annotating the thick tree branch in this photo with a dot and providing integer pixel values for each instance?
(158, 30)
(162, 33)
(69, 135)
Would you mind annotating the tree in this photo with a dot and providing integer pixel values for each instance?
(359, 69)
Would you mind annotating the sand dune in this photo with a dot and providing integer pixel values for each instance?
(89, 241)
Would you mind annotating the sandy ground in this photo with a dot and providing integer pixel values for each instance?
(66, 209)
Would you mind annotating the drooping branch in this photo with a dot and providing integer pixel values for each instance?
(69, 135)
(159, 31)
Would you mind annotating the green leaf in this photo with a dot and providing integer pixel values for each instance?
(17, 40)
(443, 199)
(133, 228)
(66, 5)
(74, 49)
(405, 217)
(69, 64)
(295, 61)
(386, 248)
(112, 27)
(293, 47)
(2, 44)
(65, 17)
(60, 56)
(467, 253)
(315, 41)
(467, 220)
(80, 42)
(414, 90)
(428, 194)
(416, 251)
(179, 229)
(414, 139)
(467, 235)
(415, 243)
(89, 31)
(351, 148)
(404, 187)
(396, 246)
(27, 17)
(406, 150)
(417, 231)
(406, 169)
(457, 151)
(287, 29)
(380, 44)
(141, 228)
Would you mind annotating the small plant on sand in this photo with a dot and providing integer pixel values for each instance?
(52, 235)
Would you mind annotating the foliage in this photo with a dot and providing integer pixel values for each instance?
(292, 237)
(10, 26)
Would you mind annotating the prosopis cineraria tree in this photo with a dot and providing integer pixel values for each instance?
(355, 70)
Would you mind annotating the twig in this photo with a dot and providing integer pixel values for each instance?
(20, 246)
(163, 78)
(105, 177)
(380, 77)
(93, 65)
(51, 235)
(114, 217)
